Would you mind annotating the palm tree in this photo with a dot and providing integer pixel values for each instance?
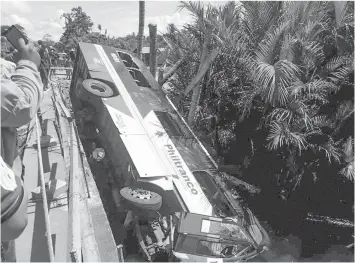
(282, 62)
(140, 28)
(280, 92)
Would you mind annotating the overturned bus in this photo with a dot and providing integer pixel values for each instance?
(170, 185)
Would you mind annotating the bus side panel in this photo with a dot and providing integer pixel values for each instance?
(111, 137)
(120, 159)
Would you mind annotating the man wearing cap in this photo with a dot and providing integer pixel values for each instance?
(21, 93)
(45, 63)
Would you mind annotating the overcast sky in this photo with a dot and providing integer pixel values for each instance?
(118, 17)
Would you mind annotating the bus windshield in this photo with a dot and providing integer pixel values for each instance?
(223, 229)
(210, 247)
(214, 194)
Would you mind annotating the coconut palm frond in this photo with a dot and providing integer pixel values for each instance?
(265, 74)
(340, 74)
(317, 86)
(251, 11)
(294, 13)
(316, 11)
(318, 97)
(195, 32)
(344, 110)
(245, 103)
(229, 14)
(320, 121)
(301, 120)
(201, 12)
(312, 54)
(313, 29)
(348, 171)
(196, 8)
(266, 49)
(280, 115)
(270, 13)
(343, 119)
(338, 61)
(287, 48)
(330, 149)
(348, 149)
(280, 135)
(259, 18)
(348, 156)
(312, 132)
(296, 88)
(274, 80)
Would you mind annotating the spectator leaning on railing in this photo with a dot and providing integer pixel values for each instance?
(21, 94)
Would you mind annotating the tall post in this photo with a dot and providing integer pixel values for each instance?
(160, 76)
(140, 28)
(153, 49)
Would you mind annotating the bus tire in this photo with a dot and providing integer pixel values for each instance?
(140, 198)
(97, 88)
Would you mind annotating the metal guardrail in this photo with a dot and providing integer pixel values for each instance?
(53, 69)
(82, 245)
(74, 241)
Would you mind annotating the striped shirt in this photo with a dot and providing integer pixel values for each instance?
(11, 191)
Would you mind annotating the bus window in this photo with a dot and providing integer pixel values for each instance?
(213, 193)
(127, 60)
(139, 77)
(173, 126)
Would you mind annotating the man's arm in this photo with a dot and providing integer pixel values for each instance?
(21, 96)
(14, 198)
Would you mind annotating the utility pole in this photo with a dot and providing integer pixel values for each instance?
(153, 49)
(140, 28)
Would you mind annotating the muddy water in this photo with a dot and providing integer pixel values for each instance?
(294, 239)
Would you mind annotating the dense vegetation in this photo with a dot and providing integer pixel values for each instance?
(279, 97)
(278, 101)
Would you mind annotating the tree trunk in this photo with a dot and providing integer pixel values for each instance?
(140, 28)
(172, 71)
(197, 90)
(153, 49)
(203, 68)
(160, 76)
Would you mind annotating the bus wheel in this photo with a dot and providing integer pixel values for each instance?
(97, 88)
(141, 198)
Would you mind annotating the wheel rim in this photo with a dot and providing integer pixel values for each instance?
(141, 193)
(97, 88)
(98, 154)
